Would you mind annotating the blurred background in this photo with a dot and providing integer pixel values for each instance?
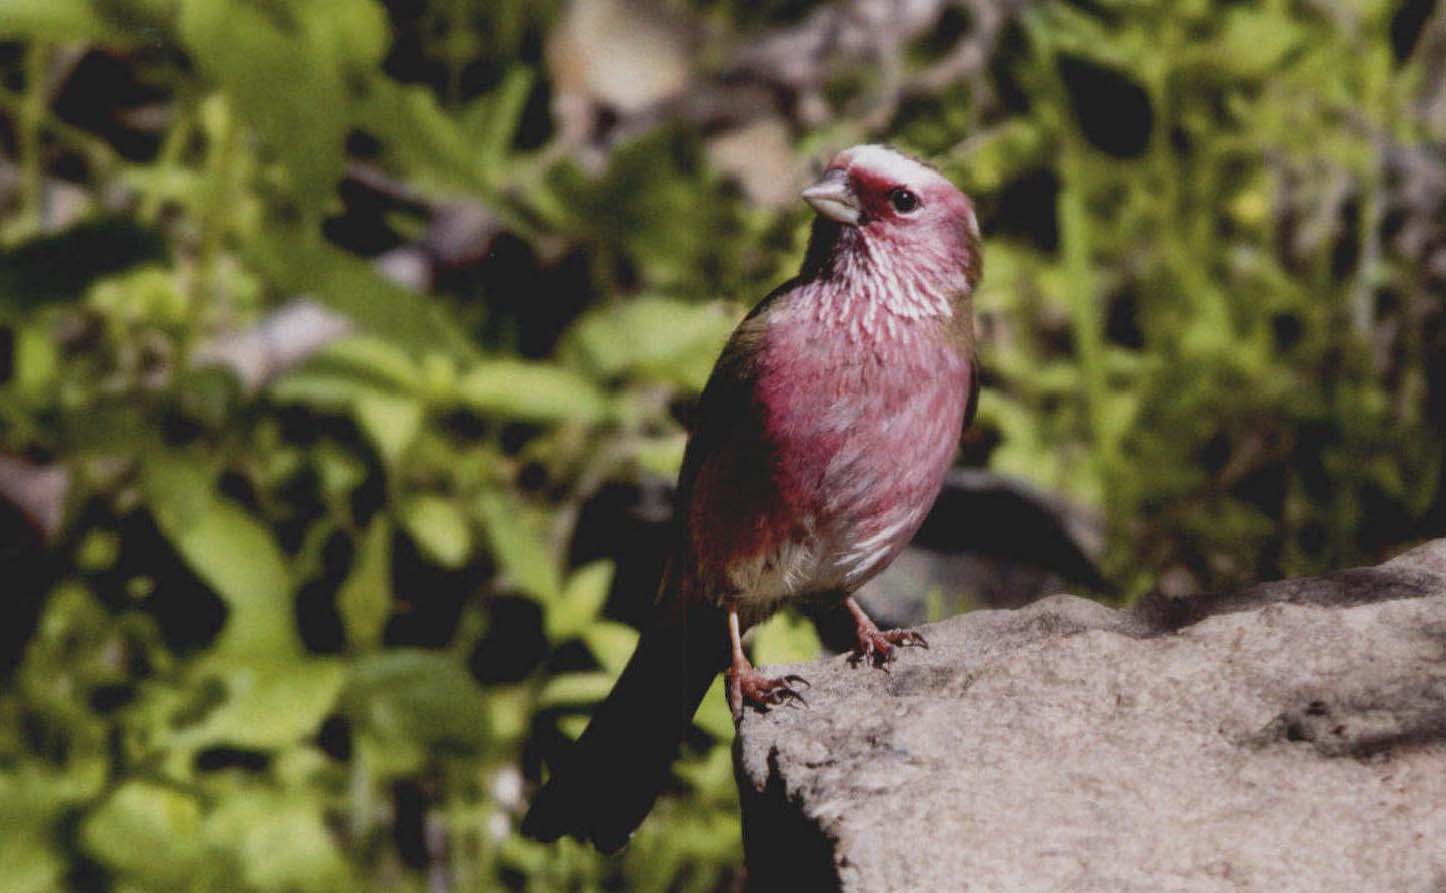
(346, 350)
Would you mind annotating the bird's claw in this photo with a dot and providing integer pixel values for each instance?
(907, 638)
(880, 647)
(750, 687)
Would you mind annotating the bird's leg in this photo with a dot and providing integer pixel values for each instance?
(875, 645)
(746, 685)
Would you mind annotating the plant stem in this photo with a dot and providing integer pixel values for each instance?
(32, 116)
(1075, 246)
(167, 160)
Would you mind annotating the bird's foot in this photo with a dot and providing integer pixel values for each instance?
(880, 647)
(747, 686)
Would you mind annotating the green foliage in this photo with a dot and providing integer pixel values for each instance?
(186, 718)
(1203, 431)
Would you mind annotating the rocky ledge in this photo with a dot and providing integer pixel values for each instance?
(1288, 737)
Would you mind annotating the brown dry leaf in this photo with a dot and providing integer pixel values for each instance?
(760, 157)
(625, 56)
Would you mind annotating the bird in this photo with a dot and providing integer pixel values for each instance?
(817, 447)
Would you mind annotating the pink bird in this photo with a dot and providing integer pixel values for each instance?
(820, 443)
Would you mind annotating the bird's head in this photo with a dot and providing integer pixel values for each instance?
(878, 201)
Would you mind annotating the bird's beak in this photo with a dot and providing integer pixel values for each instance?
(832, 197)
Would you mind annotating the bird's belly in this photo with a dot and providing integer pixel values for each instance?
(880, 485)
(857, 474)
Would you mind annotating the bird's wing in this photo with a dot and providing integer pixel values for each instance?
(621, 762)
(727, 505)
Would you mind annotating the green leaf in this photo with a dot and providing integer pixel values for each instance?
(365, 599)
(32, 801)
(268, 706)
(661, 456)
(531, 392)
(50, 20)
(341, 472)
(372, 360)
(711, 773)
(291, 849)
(575, 688)
(611, 643)
(28, 864)
(146, 831)
(376, 381)
(659, 337)
(439, 528)
(516, 546)
(1252, 43)
(713, 715)
(391, 423)
(420, 136)
(280, 843)
(321, 389)
(661, 209)
(406, 704)
(284, 68)
(237, 558)
(505, 106)
(35, 361)
(180, 488)
(234, 554)
(295, 261)
(786, 638)
(581, 601)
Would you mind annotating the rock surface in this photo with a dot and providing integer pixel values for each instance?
(1288, 737)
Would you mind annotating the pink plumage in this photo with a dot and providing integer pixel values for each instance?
(835, 409)
(821, 441)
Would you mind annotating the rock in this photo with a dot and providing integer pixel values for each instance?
(1288, 737)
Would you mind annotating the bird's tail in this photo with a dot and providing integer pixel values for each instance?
(624, 758)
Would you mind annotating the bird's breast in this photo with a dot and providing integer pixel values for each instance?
(860, 441)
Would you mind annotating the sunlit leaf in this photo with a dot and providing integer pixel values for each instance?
(232, 552)
(575, 688)
(661, 456)
(440, 528)
(285, 72)
(28, 864)
(300, 263)
(785, 638)
(268, 706)
(32, 802)
(581, 601)
(611, 643)
(321, 389)
(51, 20)
(282, 843)
(390, 422)
(365, 599)
(668, 339)
(35, 362)
(406, 704)
(420, 136)
(713, 715)
(522, 553)
(532, 392)
(370, 360)
(146, 831)
(503, 113)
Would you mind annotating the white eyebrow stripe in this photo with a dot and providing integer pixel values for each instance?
(894, 165)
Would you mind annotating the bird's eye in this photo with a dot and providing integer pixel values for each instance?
(903, 200)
